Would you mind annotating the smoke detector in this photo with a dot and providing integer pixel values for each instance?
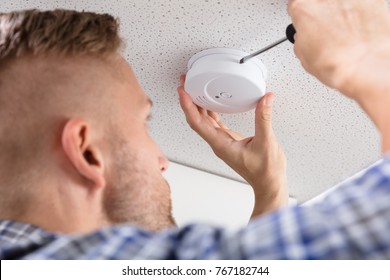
(217, 81)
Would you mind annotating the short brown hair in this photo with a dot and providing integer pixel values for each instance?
(59, 32)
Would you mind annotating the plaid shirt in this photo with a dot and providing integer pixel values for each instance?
(351, 222)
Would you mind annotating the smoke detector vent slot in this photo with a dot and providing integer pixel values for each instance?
(202, 100)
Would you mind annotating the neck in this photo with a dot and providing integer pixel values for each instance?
(61, 220)
(57, 210)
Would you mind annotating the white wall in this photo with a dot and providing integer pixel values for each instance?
(199, 196)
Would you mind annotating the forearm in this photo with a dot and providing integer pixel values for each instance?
(365, 70)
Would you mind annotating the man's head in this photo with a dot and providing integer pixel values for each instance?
(75, 153)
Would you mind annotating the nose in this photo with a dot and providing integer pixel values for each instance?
(163, 162)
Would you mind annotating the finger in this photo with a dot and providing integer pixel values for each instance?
(235, 135)
(215, 118)
(263, 117)
(202, 111)
(289, 9)
(292, 7)
(182, 79)
(190, 110)
(216, 137)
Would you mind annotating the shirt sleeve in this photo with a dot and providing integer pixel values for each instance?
(351, 222)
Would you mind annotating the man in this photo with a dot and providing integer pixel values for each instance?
(81, 178)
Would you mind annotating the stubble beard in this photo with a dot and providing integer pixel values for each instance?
(133, 195)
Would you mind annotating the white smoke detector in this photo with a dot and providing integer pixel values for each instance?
(218, 82)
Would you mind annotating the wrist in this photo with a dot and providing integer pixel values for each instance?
(270, 196)
(367, 82)
(364, 70)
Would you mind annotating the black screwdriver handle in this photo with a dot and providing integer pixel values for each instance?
(290, 32)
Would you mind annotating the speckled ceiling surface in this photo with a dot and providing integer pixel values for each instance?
(325, 136)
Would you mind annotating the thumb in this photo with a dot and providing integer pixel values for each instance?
(263, 117)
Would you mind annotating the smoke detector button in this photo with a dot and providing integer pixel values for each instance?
(225, 95)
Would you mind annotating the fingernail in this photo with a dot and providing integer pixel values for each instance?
(269, 101)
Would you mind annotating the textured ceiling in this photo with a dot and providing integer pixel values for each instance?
(325, 136)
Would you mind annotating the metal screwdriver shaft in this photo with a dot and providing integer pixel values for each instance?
(290, 32)
(243, 60)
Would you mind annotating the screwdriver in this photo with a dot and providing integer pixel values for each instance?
(290, 32)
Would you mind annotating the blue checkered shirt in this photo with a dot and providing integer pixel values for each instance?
(351, 222)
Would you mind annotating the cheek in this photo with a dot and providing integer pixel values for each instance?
(151, 151)
(142, 145)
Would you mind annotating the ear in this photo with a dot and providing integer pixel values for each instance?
(82, 151)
